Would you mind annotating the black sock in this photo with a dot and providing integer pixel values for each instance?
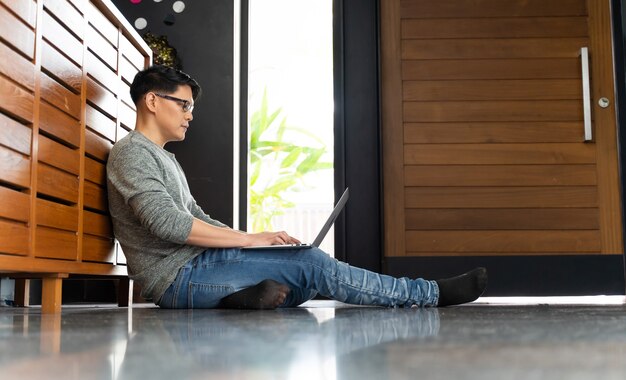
(267, 294)
(461, 289)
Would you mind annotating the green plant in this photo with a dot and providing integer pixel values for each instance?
(278, 166)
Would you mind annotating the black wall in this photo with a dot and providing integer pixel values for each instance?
(203, 37)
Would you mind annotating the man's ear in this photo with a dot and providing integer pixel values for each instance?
(150, 101)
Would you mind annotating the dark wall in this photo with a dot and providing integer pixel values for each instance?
(203, 37)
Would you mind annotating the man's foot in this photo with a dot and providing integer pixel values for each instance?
(267, 294)
(461, 289)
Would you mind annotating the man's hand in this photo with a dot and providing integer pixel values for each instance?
(270, 238)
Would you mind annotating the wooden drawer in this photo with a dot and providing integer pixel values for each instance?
(97, 146)
(102, 98)
(14, 238)
(16, 67)
(17, 33)
(52, 214)
(101, 47)
(16, 101)
(127, 116)
(57, 183)
(101, 72)
(24, 9)
(62, 39)
(71, 18)
(59, 124)
(59, 96)
(127, 70)
(100, 123)
(59, 156)
(15, 135)
(98, 249)
(131, 53)
(95, 171)
(56, 244)
(102, 25)
(95, 197)
(61, 68)
(97, 224)
(15, 205)
(14, 168)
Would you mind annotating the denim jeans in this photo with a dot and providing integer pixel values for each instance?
(217, 273)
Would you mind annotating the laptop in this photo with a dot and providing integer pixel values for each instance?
(320, 236)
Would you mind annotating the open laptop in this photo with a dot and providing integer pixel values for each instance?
(320, 236)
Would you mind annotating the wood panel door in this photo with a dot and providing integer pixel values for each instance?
(484, 152)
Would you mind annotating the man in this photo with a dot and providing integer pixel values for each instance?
(182, 258)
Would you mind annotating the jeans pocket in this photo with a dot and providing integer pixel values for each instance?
(207, 296)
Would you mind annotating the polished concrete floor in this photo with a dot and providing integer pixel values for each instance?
(324, 340)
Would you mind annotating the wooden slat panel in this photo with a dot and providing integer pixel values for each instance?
(530, 89)
(15, 135)
(131, 53)
(14, 238)
(97, 224)
(503, 154)
(503, 241)
(57, 244)
(121, 132)
(503, 219)
(95, 197)
(127, 116)
(15, 100)
(14, 205)
(549, 68)
(56, 183)
(127, 70)
(62, 39)
(505, 197)
(16, 33)
(97, 146)
(101, 72)
(101, 98)
(491, 8)
(60, 96)
(102, 24)
(98, 249)
(493, 132)
(52, 214)
(14, 168)
(61, 68)
(95, 171)
(509, 110)
(496, 48)
(124, 95)
(25, 9)
(101, 47)
(121, 258)
(495, 27)
(69, 16)
(81, 5)
(100, 123)
(59, 124)
(16, 67)
(59, 156)
(500, 175)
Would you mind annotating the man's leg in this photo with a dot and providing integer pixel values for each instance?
(267, 294)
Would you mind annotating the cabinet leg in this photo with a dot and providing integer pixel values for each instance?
(22, 292)
(51, 295)
(125, 292)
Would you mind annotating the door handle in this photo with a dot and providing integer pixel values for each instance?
(584, 60)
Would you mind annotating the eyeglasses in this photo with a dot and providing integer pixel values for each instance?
(187, 105)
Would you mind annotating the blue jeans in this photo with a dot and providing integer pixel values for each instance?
(217, 273)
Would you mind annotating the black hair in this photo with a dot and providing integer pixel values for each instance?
(164, 79)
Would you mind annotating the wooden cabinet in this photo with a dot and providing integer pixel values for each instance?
(65, 70)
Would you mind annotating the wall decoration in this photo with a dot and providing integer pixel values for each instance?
(140, 23)
(178, 6)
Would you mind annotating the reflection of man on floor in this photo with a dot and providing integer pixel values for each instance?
(182, 258)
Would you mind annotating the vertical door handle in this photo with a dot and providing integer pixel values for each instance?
(584, 60)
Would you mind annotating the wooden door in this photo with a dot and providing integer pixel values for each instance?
(483, 129)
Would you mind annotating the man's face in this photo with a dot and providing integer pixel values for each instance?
(172, 120)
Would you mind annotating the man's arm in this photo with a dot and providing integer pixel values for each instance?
(205, 235)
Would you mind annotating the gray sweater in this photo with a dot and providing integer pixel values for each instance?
(152, 211)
